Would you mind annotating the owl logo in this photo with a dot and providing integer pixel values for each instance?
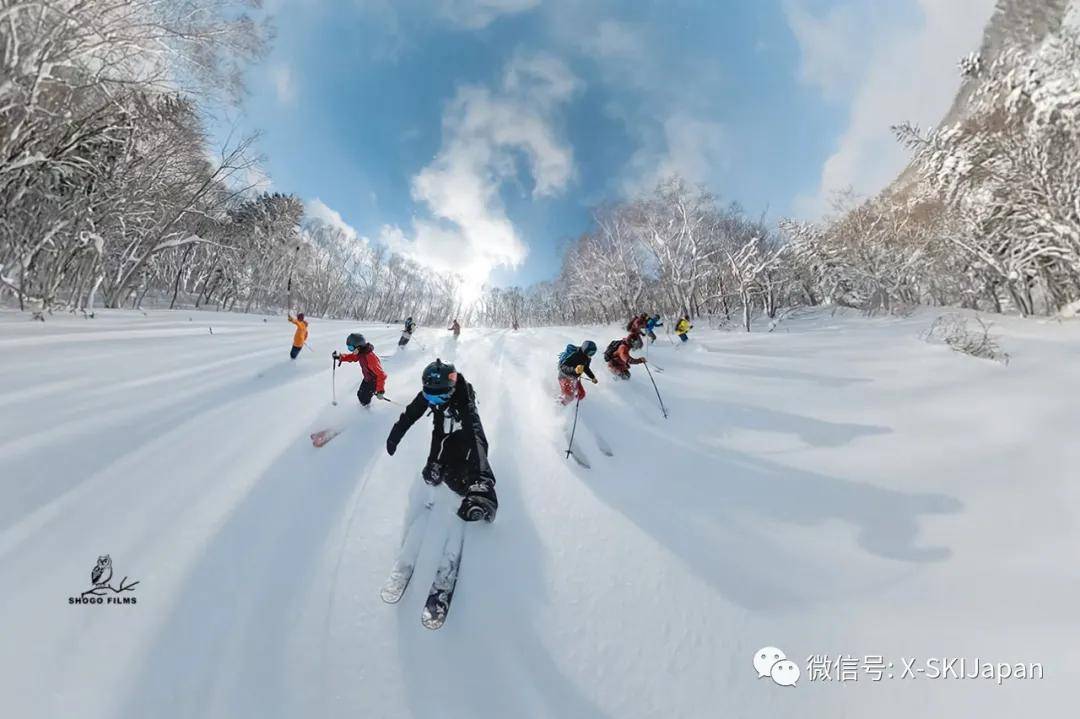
(101, 575)
(101, 585)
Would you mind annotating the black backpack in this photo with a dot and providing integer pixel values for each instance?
(612, 347)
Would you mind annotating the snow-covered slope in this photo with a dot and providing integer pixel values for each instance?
(835, 487)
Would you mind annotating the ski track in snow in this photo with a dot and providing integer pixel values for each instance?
(836, 486)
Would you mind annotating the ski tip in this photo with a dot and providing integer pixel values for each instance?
(432, 622)
(318, 439)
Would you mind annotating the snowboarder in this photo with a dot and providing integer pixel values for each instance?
(363, 352)
(617, 355)
(651, 324)
(406, 334)
(455, 328)
(457, 457)
(573, 364)
(682, 327)
(300, 336)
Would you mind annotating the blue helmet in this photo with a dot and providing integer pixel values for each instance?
(439, 379)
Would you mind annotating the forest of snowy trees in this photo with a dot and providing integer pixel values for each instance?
(112, 193)
(987, 217)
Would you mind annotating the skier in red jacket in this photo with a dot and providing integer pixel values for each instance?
(617, 355)
(363, 352)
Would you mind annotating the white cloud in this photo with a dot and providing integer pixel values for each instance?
(284, 85)
(257, 179)
(834, 45)
(613, 39)
(691, 147)
(664, 94)
(319, 210)
(476, 14)
(906, 76)
(489, 136)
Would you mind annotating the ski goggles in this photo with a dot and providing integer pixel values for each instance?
(436, 399)
(351, 348)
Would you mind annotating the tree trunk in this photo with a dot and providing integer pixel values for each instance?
(92, 296)
(179, 274)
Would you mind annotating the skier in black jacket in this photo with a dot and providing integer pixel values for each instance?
(458, 456)
(406, 334)
(574, 363)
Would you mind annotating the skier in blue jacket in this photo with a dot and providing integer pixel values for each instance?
(652, 323)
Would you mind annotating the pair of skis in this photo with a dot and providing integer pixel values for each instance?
(581, 458)
(441, 593)
(575, 451)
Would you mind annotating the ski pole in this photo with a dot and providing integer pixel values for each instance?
(333, 381)
(387, 399)
(662, 408)
(570, 446)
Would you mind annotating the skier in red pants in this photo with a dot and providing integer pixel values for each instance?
(573, 364)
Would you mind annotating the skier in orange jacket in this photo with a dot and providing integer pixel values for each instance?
(300, 337)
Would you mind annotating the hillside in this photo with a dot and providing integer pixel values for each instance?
(837, 486)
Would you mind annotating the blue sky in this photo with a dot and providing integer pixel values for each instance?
(475, 135)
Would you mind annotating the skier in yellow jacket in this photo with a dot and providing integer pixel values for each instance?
(682, 327)
(300, 337)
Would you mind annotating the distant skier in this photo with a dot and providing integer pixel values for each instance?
(515, 325)
(457, 457)
(573, 364)
(651, 324)
(363, 352)
(617, 355)
(300, 336)
(455, 328)
(406, 334)
(682, 327)
(637, 323)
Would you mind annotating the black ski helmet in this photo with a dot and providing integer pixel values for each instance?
(355, 341)
(588, 347)
(439, 378)
(634, 341)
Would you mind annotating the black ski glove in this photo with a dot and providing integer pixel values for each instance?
(432, 473)
(479, 503)
(391, 446)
